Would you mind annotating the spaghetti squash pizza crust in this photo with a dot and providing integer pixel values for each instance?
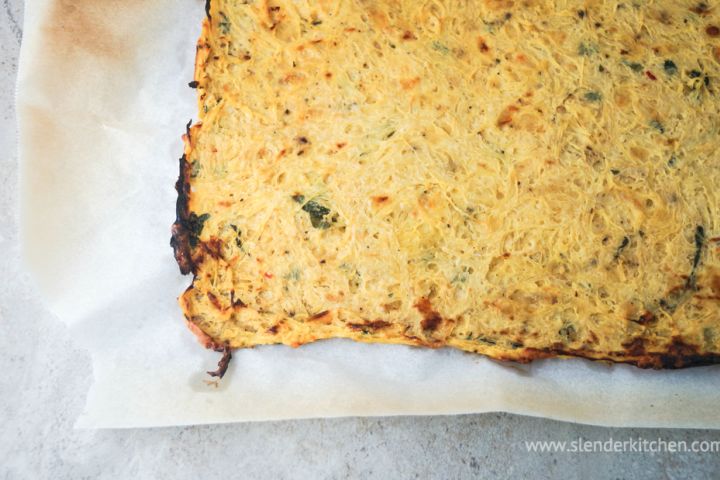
(517, 179)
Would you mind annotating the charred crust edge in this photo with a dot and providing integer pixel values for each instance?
(678, 355)
(181, 229)
(369, 326)
(180, 240)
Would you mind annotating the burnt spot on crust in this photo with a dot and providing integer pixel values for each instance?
(678, 353)
(207, 9)
(646, 318)
(215, 301)
(431, 323)
(274, 329)
(214, 248)
(320, 316)
(701, 8)
(236, 302)
(369, 326)
(635, 347)
(180, 240)
(432, 318)
(223, 363)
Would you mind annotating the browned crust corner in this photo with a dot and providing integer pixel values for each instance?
(205, 340)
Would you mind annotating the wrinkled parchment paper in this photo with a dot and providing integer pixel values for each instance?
(102, 102)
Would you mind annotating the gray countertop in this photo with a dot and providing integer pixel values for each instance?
(45, 379)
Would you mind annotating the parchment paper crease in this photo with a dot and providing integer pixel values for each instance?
(102, 102)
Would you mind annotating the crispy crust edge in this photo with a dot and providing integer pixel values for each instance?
(678, 355)
(180, 229)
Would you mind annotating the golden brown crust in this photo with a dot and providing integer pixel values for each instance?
(434, 328)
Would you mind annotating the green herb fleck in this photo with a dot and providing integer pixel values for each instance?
(196, 222)
(586, 49)
(460, 277)
(440, 47)
(694, 73)
(194, 168)
(317, 214)
(238, 235)
(294, 274)
(389, 135)
(593, 96)
(708, 335)
(670, 67)
(224, 24)
(634, 66)
(679, 295)
(657, 125)
(568, 332)
(298, 198)
(699, 242)
(195, 225)
(673, 161)
(623, 245)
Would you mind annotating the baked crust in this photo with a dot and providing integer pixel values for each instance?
(676, 328)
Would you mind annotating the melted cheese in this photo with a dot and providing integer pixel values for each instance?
(499, 176)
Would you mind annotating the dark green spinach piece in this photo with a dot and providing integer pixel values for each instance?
(317, 214)
(195, 224)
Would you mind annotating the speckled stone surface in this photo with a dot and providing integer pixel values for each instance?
(45, 378)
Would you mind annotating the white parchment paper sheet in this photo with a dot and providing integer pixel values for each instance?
(102, 101)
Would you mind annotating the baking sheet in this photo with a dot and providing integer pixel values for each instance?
(102, 101)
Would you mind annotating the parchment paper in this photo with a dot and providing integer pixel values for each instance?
(102, 102)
